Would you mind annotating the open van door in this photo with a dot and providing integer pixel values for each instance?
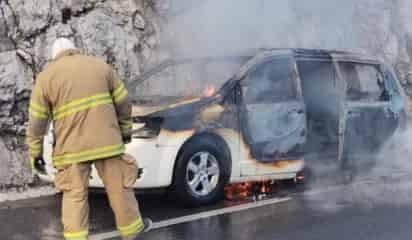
(368, 117)
(272, 116)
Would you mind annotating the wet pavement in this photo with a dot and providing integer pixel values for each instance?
(368, 209)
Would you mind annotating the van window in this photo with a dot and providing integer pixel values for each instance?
(364, 81)
(272, 81)
(189, 78)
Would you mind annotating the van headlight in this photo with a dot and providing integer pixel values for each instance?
(150, 127)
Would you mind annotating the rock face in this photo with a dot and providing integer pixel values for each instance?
(134, 34)
(122, 32)
(14, 93)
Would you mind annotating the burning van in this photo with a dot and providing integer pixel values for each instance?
(275, 109)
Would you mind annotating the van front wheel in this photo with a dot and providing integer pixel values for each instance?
(201, 172)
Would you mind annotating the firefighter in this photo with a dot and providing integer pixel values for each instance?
(88, 107)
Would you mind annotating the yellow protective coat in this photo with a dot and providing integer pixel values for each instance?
(88, 105)
(91, 114)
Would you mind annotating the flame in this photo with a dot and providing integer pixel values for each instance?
(264, 188)
(237, 191)
(244, 190)
(300, 178)
(209, 90)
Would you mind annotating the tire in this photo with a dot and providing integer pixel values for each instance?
(190, 167)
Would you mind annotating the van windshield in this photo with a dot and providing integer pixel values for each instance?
(188, 78)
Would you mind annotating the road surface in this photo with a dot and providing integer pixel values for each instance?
(368, 209)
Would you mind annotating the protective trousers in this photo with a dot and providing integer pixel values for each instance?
(118, 175)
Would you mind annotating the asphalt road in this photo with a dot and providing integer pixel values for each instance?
(374, 209)
(338, 213)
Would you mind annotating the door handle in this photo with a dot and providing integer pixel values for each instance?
(353, 113)
(298, 111)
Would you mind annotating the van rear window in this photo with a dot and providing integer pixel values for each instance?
(364, 81)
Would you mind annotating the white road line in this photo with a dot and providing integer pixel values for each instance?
(197, 216)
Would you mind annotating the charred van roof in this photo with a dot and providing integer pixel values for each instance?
(256, 53)
(250, 58)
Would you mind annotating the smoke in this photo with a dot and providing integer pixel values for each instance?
(387, 181)
(219, 28)
(396, 155)
(367, 194)
(214, 27)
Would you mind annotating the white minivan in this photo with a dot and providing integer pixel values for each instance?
(278, 107)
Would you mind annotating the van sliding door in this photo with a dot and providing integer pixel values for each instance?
(367, 120)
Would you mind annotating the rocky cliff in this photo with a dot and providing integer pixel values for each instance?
(123, 32)
(134, 34)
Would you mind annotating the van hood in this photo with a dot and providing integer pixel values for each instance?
(166, 106)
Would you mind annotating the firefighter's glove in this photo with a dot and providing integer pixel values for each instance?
(39, 165)
(127, 139)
